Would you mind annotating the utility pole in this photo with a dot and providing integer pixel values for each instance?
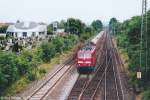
(146, 44)
(144, 33)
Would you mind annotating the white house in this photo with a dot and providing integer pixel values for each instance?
(27, 29)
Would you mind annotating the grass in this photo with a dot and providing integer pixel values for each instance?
(23, 82)
(17, 86)
(55, 60)
(146, 94)
(125, 59)
(124, 56)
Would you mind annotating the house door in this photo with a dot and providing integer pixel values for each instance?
(24, 34)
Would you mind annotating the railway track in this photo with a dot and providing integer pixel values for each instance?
(117, 62)
(42, 91)
(91, 90)
(112, 81)
(79, 89)
(96, 83)
(128, 89)
(81, 84)
(106, 83)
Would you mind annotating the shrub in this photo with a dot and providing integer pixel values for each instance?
(48, 51)
(31, 76)
(8, 69)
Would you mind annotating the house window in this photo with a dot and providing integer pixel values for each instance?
(33, 34)
(12, 33)
(41, 33)
(24, 34)
(16, 35)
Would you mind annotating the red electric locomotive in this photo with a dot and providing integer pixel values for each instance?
(86, 58)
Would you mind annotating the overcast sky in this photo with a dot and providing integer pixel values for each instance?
(51, 10)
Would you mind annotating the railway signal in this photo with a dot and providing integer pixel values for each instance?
(139, 75)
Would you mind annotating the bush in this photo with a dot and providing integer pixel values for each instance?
(42, 71)
(13, 66)
(24, 62)
(31, 76)
(122, 40)
(48, 51)
(2, 38)
(147, 95)
(8, 69)
(59, 44)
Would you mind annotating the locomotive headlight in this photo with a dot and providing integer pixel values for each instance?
(88, 62)
(80, 61)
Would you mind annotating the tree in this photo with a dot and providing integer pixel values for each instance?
(112, 24)
(112, 21)
(48, 51)
(3, 29)
(129, 38)
(50, 29)
(24, 62)
(88, 29)
(97, 25)
(59, 44)
(61, 25)
(134, 30)
(74, 26)
(8, 69)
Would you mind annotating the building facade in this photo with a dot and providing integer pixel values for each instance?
(27, 29)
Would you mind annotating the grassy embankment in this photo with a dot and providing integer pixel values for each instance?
(22, 83)
(48, 55)
(123, 55)
(125, 59)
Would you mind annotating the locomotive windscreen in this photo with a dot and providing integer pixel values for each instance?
(80, 55)
(84, 55)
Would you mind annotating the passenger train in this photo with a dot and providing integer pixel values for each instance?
(86, 57)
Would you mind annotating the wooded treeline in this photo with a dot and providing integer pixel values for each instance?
(128, 36)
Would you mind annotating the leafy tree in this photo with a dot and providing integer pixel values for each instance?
(48, 51)
(59, 43)
(8, 69)
(129, 38)
(147, 95)
(50, 29)
(134, 30)
(24, 62)
(61, 25)
(112, 24)
(3, 80)
(88, 30)
(97, 25)
(3, 29)
(69, 40)
(74, 26)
